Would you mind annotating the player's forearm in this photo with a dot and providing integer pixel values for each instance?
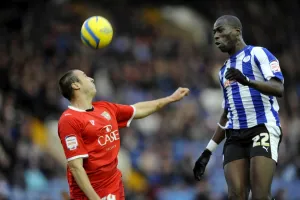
(146, 108)
(84, 183)
(219, 134)
(272, 87)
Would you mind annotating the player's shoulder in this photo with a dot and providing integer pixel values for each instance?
(256, 50)
(70, 116)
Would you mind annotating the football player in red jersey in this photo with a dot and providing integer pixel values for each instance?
(89, 134)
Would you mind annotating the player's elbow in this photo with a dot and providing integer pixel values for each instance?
(75, 165)
(280, 91)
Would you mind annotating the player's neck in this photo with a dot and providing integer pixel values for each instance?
(238, 47)
(82, 104)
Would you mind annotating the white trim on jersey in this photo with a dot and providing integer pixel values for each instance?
(76, 109)
(78, 156)
(131, 118)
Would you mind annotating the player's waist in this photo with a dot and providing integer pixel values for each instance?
(238, 124)
(100, 178)
(101, 183)
(245, 113)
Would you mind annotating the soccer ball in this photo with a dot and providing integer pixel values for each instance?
(96, 32)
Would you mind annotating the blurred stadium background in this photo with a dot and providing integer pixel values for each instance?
(157, 47)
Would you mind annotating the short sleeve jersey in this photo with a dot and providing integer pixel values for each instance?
(246, 106)
(94, 136)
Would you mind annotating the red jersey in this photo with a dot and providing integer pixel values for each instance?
(94, 135)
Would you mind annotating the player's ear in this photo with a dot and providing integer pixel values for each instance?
(75, 86)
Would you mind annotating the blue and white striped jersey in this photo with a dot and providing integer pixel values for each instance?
(246, 106)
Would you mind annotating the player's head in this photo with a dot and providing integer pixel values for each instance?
(227, 32)
(76, 82)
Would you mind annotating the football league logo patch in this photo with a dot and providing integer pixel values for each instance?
(106, 115)
(275, 67)
(71, 142)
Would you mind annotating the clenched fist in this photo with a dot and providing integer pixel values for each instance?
(179, 94)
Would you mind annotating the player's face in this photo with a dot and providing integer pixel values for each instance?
(225, 36)
(87, 85)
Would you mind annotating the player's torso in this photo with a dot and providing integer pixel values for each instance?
(101, 138)
(247, 107)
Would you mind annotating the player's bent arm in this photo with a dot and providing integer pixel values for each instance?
(273, 87)
(146, 108)
(219, 134)
(79, 173)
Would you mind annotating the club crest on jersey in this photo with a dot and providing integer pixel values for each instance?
(106, 115)
(246, 59)
(71, 142)
(228, 83)
(275, 66)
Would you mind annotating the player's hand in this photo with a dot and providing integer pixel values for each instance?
(237, 75)
(179, 94)
(200, 164)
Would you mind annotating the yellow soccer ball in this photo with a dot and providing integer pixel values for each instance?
(96, 32)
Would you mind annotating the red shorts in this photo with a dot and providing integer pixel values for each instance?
(117, 194)
(109, 194)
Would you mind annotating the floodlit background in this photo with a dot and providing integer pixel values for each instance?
(156, 48)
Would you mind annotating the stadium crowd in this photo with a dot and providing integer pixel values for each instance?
(158, 152)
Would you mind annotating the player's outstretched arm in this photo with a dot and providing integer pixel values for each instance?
(77, 170)
(146, 108)
(217, 138)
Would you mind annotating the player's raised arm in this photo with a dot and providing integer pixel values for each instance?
(69, 132)
(146, 108)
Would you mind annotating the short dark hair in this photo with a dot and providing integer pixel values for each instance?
(231, 21)
(65, 84)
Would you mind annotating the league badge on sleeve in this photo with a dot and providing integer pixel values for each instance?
(275, 66)
(71, 142)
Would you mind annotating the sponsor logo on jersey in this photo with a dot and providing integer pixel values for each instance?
(106, 115)
(108, 136)
(71, 142)
(228, 83)
(275, 66)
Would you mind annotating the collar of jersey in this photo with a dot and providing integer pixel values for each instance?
(237, 53)
(76, 109)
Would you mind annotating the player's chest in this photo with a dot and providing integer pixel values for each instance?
(100, 126)
(245, 64)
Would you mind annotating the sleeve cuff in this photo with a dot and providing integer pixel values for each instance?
(78, 156)
(133, 114)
